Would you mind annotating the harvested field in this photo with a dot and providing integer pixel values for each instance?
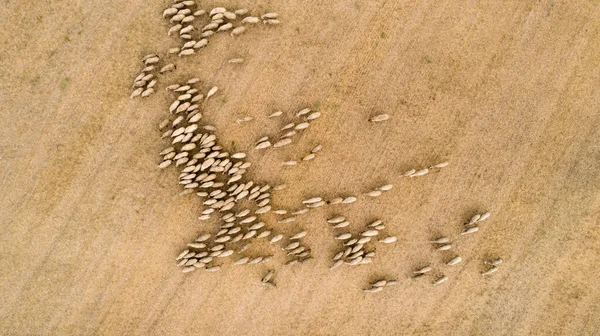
(507, 93)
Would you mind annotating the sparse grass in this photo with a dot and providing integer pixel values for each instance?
(298, 30)
(35, 80)
(224, 100)
(316, 105)
(572, 290)
(383, 35)
(356, 5)
(233, 147)
(64, 83)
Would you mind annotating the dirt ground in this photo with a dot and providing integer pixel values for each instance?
(507, 91)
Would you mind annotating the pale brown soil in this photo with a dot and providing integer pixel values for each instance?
(507, 91)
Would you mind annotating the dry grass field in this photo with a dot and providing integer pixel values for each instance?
(507, 91)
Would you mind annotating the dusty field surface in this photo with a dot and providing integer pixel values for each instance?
(507, 91)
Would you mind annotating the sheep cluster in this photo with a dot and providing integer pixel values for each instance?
(316, 201)
(424, 171)
(308, 157)
(342, 200)
(183, 14)
(143, 84)
(216, 176)
(346, 199)
(441, 244)
(306, 116)
(353, 250)
(219, 178)
(378, 285)
(493, 263)
(296, 250)
(313, 202)
(379, 190)
(471, 225)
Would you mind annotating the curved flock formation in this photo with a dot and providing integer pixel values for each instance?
(218, 177)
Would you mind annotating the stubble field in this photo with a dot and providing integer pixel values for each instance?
(506, 91)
